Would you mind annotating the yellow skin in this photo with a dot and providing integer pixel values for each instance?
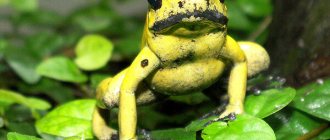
(185, 48)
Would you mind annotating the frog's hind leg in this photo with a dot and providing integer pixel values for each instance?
(100, 114)
(108, 98)
(257, 57)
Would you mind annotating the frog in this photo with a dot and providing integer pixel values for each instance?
(185, 48)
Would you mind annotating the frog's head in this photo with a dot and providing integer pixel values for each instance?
(186, 17)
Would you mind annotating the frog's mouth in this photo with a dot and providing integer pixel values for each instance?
(210, 15)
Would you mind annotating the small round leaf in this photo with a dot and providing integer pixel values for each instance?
(245, 127)
(93, 52)
(268, 102)
(61, 68)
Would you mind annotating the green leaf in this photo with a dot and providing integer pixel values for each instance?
(289, 124)
(17, 136)
(244, 127)
(11, 97)
(93, 52)
(173, 134)
(38, 104)
(18, 114)
(44, 43)
(238, 20)
(23, 127)
(314, 99)
(268, 102)
(24, 5)
(325, 135)
(256, 8)
(24, 63)
(61, 68)
(58, 91)
(68, 120)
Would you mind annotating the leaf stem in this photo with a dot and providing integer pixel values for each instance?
(314, 133)
(262, 27)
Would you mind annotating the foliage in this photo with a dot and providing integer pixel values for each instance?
(49, 74)
(71, 119)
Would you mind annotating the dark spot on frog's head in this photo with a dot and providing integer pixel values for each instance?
(222, 1)
(180, 4)
(193, 40)
(144, 63)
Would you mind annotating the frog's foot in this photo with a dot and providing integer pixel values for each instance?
(230, 117)
(100, 128)
(232, 109)
(108, 134)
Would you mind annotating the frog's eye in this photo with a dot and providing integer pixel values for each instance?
(155, 4)
(222, 1)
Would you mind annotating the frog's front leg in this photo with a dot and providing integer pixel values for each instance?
(142, 66)
(237, 78)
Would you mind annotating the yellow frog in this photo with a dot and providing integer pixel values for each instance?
(185, 48)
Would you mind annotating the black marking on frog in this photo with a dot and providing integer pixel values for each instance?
(211, 15)
(155, 4)
(144, 63)
(180, 4)
(222, 1)
(181, 60)
(207, 2)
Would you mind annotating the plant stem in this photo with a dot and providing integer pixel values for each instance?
(314, 133)
(262, 27)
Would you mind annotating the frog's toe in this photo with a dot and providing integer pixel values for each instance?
(229, 117)
(108, 134)
(232, 109)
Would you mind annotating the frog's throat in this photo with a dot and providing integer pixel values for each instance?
(211, 15)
